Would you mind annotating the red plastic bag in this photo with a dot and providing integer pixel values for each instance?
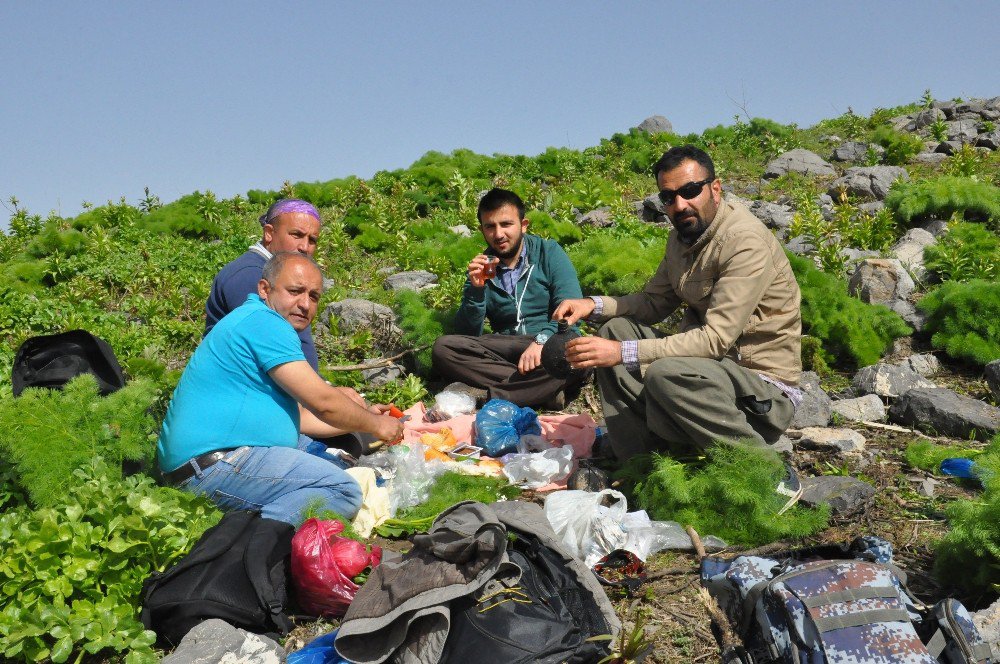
(325, 566)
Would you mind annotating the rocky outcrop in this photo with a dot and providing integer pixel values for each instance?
(943, 412)
(798, 161)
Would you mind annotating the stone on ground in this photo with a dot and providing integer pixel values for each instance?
(943, 412)
(868, 408)
(844, 495)
(887, 380)
(798, 160)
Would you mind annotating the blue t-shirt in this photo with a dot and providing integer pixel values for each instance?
(230, 288)
(225, 397)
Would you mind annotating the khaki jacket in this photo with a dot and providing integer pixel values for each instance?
(742, 298)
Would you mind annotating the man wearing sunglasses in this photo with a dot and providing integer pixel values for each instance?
(731, 371)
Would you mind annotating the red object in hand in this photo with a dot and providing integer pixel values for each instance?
(324, 565)
(395, 412)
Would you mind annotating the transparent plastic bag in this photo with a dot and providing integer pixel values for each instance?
(500, 425)
(451, 404)
(589, 524)
(537, 469)
(413, 477)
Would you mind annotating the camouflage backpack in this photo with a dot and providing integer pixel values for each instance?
(828, 605)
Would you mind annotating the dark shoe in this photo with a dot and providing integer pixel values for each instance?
(477, 393)
(789, 487)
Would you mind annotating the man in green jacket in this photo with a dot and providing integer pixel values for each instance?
(732, 370)
(516, 284)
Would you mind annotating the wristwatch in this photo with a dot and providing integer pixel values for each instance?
(541, 338)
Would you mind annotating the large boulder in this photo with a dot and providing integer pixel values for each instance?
(855, 151)
(887, 380)
(355, 313)
(598, 218)
(924, 364)
(868, 408)
(944, 412)
(909, 249)
(215, 641)
(930, 158)
(814, 411)
(927, 117)
(990, 141)
(844, 495)
(656, 124)
(963, 131)
(868, 182)
(775, 216)
(841, 440)
(798, 160)
(880, 281)
(416, 280)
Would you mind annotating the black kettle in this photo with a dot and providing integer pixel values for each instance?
(554, 353)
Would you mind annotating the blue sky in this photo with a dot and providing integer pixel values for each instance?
(100, 99)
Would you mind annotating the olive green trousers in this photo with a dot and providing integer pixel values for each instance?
(682, 405)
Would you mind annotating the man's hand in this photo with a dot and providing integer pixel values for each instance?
(390, 429)
(574, 310)
(587, 352)
(530, 358)
(476, 266)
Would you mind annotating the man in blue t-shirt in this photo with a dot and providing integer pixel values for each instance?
(289, 224)
(232, 429)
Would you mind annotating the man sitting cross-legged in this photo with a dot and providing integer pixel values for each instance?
(232, 429)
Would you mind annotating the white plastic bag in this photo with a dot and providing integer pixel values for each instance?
(539, 468)
(589, 524)
(451, 404)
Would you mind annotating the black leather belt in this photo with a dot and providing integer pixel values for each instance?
(175, 477)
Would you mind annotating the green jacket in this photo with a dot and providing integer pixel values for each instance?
(547, 279)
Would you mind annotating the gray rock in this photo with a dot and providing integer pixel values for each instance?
(880, 281)
(815, 408)
(930, 157)
(652, 209)
(381, 375)
(942, 411)
(887, 380)
(799, 245)
(328, 283)
(461, 230)
(927, 117)
(798, 160)
(656, 124)
(599, 218)
(963, 131)
(990, 141)
(842, 440)
(778, 217)
(975, 106)
(869, 182)
(855, 151)
(909, 249)
(948, 147)
(855, 255)
(354, 313)
(992, 375)
(416, 280)
(909, 313)
(215, 641)
(903, 122)
(989, 115)
(868, 408)
(987, 622)
(844, 495)
(926, 487)
(947, 107)
(783, 445)
(924, 364)
(936, 227)
(387, 270)
(872, 207)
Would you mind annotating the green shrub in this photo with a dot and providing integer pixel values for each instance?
(48, 433)
(563, 232)
(899, 147)
(421, 325)
(610, 265)
(925, 455)
(731, 496)
(853, 334)
(944, 196)
(195, 215)
(968, 251)
(72, 573)
(964, 319)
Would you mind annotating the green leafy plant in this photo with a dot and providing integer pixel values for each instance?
(72, 572)
(943, 196)
(852, 333)
(899, 147)
(968, 162)
(731, 495)
(938, 129)
(968, 251)
(964, 319)
(47, 433)
(613, 266)
(822, 234)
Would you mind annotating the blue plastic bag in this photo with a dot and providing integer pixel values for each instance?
(500, 424)
(318, 651)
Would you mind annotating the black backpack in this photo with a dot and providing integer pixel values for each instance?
(55, 359)
(238, 571)
(549, 622)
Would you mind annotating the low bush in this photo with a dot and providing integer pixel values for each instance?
(421, 325)
(968, 251)
(72, 573)
(853, 334)
(899, 147)
(46, 434)
(964, 319)
(563, 232)
(608, 265)
(731, 496)
(944, 196)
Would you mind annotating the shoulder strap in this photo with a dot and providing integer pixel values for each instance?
(271, 545)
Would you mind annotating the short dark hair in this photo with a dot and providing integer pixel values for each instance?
(673, 158)
(496, 198)
(275, 265)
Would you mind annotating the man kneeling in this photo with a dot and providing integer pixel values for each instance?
(232, 429)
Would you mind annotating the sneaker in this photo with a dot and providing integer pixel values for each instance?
(790, 487)
(477, 393)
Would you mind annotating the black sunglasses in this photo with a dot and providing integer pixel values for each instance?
(687, 192)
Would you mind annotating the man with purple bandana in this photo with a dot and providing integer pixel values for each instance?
(289, 224)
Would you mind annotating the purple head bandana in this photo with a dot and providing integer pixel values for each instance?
(286, 205)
